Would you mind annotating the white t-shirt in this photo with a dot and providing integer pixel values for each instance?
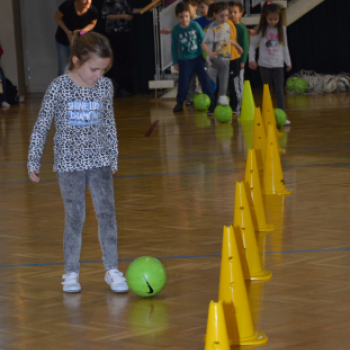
(271, 53)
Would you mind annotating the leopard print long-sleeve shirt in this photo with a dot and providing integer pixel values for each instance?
(86, 134)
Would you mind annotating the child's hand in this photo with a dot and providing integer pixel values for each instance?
(212, 55)
(253, 65)
(239, 49)
(176, 67)
(251, 31)
(114, 172)
(242, 65)
(33, 176)
(289, 68)
(165, 31)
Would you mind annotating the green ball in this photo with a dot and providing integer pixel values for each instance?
(291, 84)
(300, 85)
(146, 276)
(281, 117)
(201, 102)
(223, 113)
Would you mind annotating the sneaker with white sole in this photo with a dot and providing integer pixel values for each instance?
(71, 283)
(223, 100)
(117, 281)
(287, 123)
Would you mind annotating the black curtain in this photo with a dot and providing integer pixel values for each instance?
(143, 68)
(319, 41)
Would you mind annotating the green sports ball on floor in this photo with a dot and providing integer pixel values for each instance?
(290, 84)
(281, 117)
(300, 85)
(201, 102)
(223, 113)
(146, 276)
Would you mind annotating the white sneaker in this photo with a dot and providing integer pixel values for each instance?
(287, 123)
(223, 100)
(116, 280)
(5, 104)
(71, 283)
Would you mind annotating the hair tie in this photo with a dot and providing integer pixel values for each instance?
(82, 32)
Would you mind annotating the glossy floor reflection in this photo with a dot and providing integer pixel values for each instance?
(174, 193)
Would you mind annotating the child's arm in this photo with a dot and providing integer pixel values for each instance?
(209, 39)
(40, 131)
(211, 54)
(238, 47)
(174, 49)
(111, 130)
(253, 44)
(245, 46)
(165, 31)
(286, 54)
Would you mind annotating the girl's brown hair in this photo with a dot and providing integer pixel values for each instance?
(266, 9)
(85, 45)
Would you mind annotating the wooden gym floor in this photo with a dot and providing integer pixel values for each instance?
(174, 194)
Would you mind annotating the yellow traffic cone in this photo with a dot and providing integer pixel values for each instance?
(216, 338)
(253, 190)
(259, 139)
(233, 294)
(248, 104)
(273, 181)
(249, 253)
(268, 113)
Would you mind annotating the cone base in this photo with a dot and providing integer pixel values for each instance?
(264, 275)
(266, 228)
(240, 120)
(284, 193)
(259, 338)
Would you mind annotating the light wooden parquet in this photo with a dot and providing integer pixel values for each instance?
(174, 193)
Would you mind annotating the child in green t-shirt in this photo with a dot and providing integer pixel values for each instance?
(186, 39)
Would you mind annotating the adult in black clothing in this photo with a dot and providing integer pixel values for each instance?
(71, 16)
(118, 14)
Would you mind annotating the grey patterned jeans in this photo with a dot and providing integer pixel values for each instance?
(73, 188)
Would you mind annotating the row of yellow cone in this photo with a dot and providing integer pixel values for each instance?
(230, 320)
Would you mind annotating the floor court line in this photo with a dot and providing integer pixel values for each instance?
(191, 173)
(324, 250)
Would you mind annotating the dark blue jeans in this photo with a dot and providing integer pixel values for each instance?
(186, 70)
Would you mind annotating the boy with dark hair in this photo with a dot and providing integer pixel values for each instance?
(193, 8)
(203, 11)
(235, 15)
(187, 37)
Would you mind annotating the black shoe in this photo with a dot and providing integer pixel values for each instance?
(178, 108)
